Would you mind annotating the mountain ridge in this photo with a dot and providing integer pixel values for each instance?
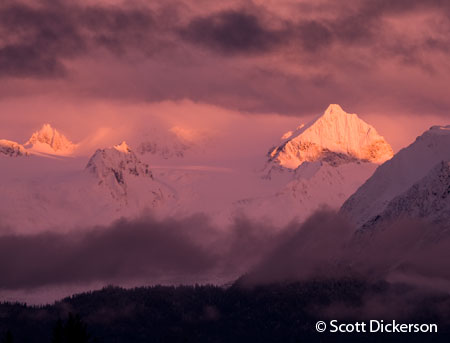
(427, 199)
(399, 174)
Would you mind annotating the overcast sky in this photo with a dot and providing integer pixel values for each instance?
(82, 65)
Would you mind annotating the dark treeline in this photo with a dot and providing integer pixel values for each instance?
(271, 313)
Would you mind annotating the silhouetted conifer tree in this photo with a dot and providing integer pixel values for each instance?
(58, 332)
(74, 331)
(8, 337)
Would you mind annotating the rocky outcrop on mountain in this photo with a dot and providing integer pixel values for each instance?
(114, 166)
(12, 149)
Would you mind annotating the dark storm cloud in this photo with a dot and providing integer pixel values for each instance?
(313, 251)
(373, 8)
(364, 23)
(146, 249)
(119, 29)
(189, 250)
(356, 23)
(232, 32)
(36, 40)
(326, 247)
(29, 61)
(314, 35)
(237, 31)
(125, 250)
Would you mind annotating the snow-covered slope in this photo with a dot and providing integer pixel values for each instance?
(398, 175)
(327, 182)
(336, 131)
(12, 149)
(49, 141)
(39, 193)
(427, 199)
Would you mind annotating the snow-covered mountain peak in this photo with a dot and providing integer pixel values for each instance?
(123, 147)
(336, 131)
(114, 166)
(118, 159)
(50, 141)
(334, 110)
(12, 149)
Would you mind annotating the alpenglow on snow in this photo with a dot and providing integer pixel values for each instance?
(334, 131)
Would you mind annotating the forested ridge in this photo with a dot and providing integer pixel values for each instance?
(271, 313)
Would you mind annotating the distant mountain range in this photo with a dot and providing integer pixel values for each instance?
(335, 160)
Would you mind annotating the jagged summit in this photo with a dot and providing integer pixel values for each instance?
(123, 147)
(49, 140)
(334, 131)
(12, 149)
(113, 166)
